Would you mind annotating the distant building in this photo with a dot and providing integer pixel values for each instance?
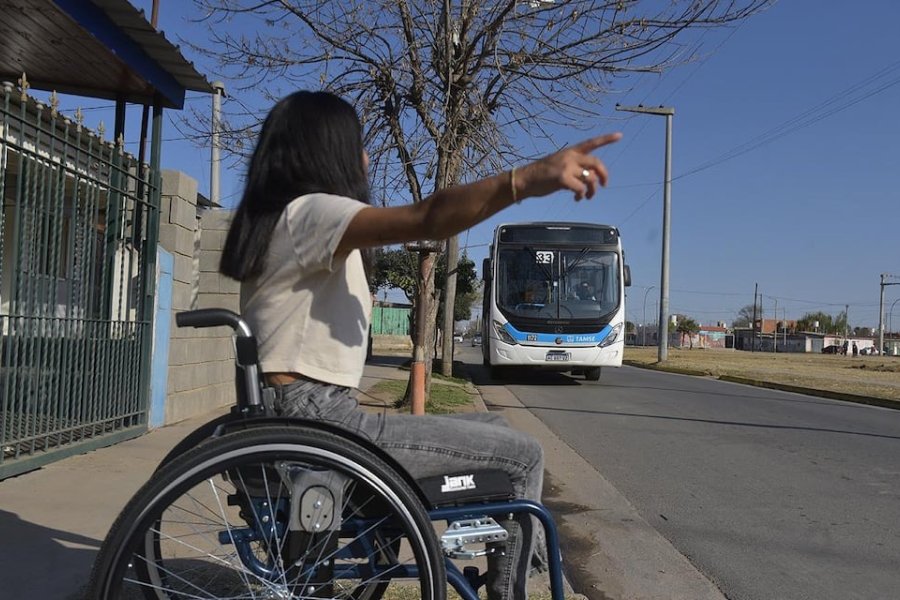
(709, 336)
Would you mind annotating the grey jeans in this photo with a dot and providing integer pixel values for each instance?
(432, 445)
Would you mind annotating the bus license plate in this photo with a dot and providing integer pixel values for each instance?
(558, 356)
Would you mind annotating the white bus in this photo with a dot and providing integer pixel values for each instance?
(554, 298)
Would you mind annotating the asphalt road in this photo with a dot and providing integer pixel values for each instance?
(771, 495)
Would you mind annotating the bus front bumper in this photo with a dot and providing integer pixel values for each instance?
(555, 357)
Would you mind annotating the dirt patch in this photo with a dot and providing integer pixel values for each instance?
(868, 376)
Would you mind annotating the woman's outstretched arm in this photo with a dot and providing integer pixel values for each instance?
(455, 209)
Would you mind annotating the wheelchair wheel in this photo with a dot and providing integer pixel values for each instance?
(272, 512)
(196, 437)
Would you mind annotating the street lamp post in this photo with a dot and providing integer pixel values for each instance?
(644, 316)
(890, 322)
(668, 113)
(881, 309)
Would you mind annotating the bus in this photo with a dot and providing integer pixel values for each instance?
(554, 298)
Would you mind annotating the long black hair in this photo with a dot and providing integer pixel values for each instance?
(310, 142)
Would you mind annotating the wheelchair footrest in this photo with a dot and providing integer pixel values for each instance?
(471, 531)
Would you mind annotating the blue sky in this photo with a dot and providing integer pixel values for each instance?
(811, 212)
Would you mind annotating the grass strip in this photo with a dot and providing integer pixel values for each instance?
(445, 398)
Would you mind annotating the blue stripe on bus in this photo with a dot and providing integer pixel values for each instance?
(550, 338)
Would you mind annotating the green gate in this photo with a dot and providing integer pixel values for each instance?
(78, 235)
(389, 320)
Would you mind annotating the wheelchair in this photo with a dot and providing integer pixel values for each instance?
(252, 505)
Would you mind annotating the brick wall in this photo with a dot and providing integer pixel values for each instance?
(201, 361)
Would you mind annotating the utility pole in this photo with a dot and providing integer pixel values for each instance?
(668, 113)
(450, 306)
(452, 246)
(784, 326)
(218, 92)
(753, 324)
(881, 318)
(775, 320)
(846, 321)
(644, 318)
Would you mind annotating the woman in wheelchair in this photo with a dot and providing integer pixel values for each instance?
(297, 245)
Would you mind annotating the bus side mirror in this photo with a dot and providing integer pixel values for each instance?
(486, 269)
(627, 276)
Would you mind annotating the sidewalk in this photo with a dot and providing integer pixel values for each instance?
(53, 520)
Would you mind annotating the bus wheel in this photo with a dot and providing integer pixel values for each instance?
(592, 374)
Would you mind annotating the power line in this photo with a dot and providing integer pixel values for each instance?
(802, 120)
(639, 206)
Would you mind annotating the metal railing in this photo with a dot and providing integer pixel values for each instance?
(77, 247)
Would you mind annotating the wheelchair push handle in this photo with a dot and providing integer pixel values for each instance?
(213, 317)
(248, 375)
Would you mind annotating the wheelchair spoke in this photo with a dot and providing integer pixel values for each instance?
(241, 519)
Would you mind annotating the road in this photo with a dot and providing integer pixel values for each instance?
(771, 495)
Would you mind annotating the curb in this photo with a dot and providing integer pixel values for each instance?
(883, 402)
(676, 370)
(784, 387)
(542, 580)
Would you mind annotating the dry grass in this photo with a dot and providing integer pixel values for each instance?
(868, 376)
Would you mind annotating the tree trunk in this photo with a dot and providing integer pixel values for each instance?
(425, 311)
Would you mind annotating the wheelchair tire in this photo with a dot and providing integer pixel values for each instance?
(215, 522)
(197, 437)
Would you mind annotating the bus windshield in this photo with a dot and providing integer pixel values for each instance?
(552, 283)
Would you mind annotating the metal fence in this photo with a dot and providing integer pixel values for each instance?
(78, 236)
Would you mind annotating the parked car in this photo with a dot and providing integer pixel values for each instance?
(476, 339)
(832, 349)
(457, 338)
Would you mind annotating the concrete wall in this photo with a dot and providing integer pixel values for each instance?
(201, 361)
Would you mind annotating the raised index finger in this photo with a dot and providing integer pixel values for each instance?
(593, 143)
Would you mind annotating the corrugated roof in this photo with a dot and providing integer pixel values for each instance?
(135, 23)
(102, 49)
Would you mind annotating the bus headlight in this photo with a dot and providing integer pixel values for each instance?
(613, 336)
(503, 334)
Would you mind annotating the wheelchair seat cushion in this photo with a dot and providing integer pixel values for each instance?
(488, 485)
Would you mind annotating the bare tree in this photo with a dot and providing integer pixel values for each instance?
(745, 316)
(442, 86)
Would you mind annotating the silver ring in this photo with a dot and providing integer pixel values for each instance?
(585, 174)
